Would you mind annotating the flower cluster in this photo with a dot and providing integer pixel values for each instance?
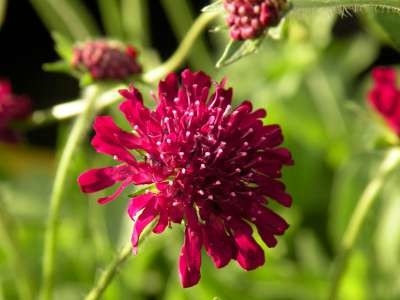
(385, 96)
(106, 59)
(211, 166)
(12, 107)
(248, 19)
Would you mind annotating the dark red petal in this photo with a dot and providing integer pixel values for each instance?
(142, 221)
(168, 89)
(190, 258)
(249, 254)
(138, 203)
(218, 244)
(97, 179)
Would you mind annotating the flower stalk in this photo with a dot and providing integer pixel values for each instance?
(184, 48)
(390, 162)
(77, 134)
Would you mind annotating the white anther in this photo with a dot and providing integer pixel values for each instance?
(237, 170)
(115, 157)
(169, 141)
(229, 218)
(245, 144)
(158, 143)
(201, 192)
(207, 154)
(176, 99)
(210, 197)
(233, 194)
(181, 154)
(202, 166)
(183, 170)
(217, 182)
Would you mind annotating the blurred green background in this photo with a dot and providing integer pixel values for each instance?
(313, 81)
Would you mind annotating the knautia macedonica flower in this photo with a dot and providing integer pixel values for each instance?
(213, 167)
(385, 96)
(248, 19)
(105, 59)
(12, 107)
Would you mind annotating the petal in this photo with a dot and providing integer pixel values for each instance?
(219, 246)
(114, 195)
(138, 203)
(249, 254)
(97, 179)
(142, 221)
(168, 89)
(190, 258)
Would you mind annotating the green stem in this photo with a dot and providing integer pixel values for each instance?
(75, 137)
(180, 16)
(307, 4)
(184, 48)
(112, 269)
(364, 204)
(11, 248)
(69, 109)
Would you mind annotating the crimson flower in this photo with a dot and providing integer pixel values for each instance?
(12, 107)
(213, 167)
(384, 97)
(105, 59)
(248, 19)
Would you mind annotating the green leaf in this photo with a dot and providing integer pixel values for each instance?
(58, 66)
(135, 21)
(213, 7)
(70, 18)
(3, 9)
(386, 24)
(63, 46)
(111, 17)
(235, 50)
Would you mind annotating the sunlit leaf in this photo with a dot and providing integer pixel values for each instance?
(236, 50)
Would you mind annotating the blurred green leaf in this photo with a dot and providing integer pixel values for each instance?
(181, 17)
(3, 10)
(63, 46)
(386, 24)
(135, 21)
(236, 50)
(111, 17)
(68, 17)
(58, 66)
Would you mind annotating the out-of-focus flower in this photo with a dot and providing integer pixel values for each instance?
(384, 97)
(211, 166)
(105, 59)
(248, 19)
(12, 107)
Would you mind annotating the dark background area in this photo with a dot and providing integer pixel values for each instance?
(26, 45)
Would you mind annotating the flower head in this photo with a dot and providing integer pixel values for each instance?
(12, 107)
(106, 59)
(248, 19)
(384, 97)
(213, 167)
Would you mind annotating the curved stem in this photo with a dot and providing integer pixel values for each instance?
(11, 248)
(184, 48)
(391, 160)
(75, 137)
(306, 4)
(112, 269)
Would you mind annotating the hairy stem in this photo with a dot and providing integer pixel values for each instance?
(74, 139)
(390, 162)
(307, 4)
